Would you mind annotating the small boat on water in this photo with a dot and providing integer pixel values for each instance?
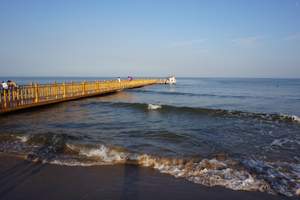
(171, 80)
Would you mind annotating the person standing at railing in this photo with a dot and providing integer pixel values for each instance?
(3, 89)
(4, 85)
(11, 84)
(11, 87)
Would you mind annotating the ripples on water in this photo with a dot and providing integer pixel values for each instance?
(242, 134)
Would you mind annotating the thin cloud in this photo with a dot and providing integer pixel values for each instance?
(187, 43)
(246, 41)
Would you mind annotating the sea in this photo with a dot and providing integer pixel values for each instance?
(237, 133)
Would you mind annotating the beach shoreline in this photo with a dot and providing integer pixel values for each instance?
(21, 179)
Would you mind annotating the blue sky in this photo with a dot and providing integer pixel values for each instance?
(213, 38)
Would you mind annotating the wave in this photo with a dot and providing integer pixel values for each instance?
(191, 94)
(217, 170)
(208, 172)
(153, 107)
(293, 117)
(210, 111)
(36, 146)
(284, 142)
(282, 181)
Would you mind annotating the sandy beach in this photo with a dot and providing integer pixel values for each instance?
(20, 179)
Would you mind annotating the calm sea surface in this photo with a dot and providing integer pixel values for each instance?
(242, 134)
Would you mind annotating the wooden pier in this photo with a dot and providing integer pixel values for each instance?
(29, 96)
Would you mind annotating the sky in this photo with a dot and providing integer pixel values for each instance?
(186, 38)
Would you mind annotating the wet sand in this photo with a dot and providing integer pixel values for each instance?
(21, 179)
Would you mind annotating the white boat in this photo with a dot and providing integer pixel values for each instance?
(171, 80)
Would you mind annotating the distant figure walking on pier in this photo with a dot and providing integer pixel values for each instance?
(119, 79)
(130, 78)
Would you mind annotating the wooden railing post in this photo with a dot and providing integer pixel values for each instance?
(25, 95)
(22, 95)
(4, 98)
(72, 90)
(31, 91)
(55, 90)
(36, 93)
(18, 94)
(65, 92)
(48, 92)
(83, 88)
(98, 86)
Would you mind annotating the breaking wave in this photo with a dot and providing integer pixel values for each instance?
(293, 117)
(209, 111)
(154, 107)
(217, 170)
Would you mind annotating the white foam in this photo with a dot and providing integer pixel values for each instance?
(283, 181)
(283, 141)
(294, 118)
(207, 172)
(75, 163)
(23, 138)
(154, 106)
(103, 153)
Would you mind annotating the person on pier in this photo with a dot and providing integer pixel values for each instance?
(11, 84)
(4, 85)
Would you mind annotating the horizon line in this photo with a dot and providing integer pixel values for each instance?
(67, 76)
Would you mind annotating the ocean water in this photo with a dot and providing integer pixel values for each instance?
(242, 134)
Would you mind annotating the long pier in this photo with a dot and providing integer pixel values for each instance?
(34, 95)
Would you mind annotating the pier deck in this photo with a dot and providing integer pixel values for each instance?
(34, 95)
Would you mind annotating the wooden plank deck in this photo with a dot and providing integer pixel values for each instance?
(34, 95)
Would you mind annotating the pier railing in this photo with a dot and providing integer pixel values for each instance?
(26, 96)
